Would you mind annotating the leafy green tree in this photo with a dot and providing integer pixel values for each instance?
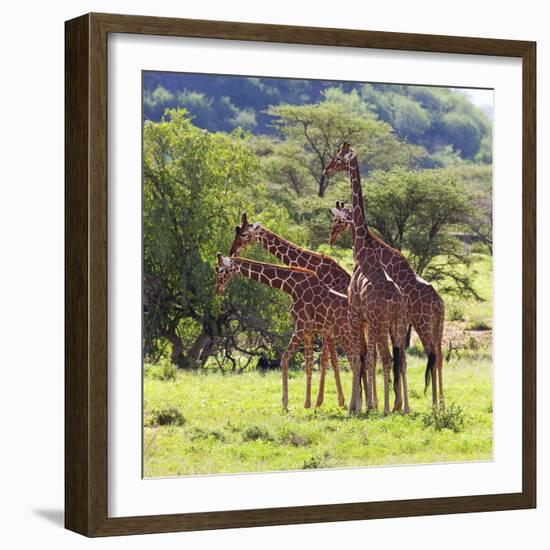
(420, 213)
(318, 130)
(196, 184)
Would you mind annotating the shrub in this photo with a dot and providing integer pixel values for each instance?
(164, 370)
(318, 460)
(166, 417)
(205, 433)
(455, 312)
(413, 394)
(479, 324)
(451, 418)
(255, 433)
(473, 344)
(291, 437)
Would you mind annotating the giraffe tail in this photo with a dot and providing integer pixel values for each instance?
(429, 371)
(396, 367)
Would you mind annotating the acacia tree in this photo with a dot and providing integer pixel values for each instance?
(318, 129)
(420, 212)
(196, 184)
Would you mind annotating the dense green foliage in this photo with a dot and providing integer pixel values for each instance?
(195, 185)
(441, 120)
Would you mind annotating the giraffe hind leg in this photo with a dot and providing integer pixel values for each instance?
(336, 369)
(323, 371)
(292, 346)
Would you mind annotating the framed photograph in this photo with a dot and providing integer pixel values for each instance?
(249, 206)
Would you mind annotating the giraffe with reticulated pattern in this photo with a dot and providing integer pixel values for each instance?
(425, 308)
(374, 298)
(326, 268)
(316, 310)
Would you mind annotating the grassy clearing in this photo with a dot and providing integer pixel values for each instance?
(235, 423)
(208, 422)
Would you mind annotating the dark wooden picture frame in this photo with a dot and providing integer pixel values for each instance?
(86, 284)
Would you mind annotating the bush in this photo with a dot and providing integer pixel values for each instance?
(291, 437)
(255, 433)
(451, 418)
(318, 460)
(205, 433)
(455, 312)
(164, 370)
(479, 324)
(166, 417)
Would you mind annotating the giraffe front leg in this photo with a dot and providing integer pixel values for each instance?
(372, 398)
(308, 349)
(294, 343)
(439, 367)
(323, 371)
(407, 408)
(386, 359)
(355, 404)
(336, 370)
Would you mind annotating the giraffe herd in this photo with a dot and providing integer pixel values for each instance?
(382, 298)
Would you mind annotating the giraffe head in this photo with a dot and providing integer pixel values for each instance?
(340, 222)
(244, 235)
(340, 162)
(225, 271)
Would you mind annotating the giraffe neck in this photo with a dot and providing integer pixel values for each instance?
(285, 251)
(284, 278)
(364, 253)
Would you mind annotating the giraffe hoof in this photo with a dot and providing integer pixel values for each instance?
(407, 410)
(307, 405)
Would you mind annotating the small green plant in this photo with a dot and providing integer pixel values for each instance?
(166, 417)
(255, 433)
(416, 350)
(205, 433)
(473, 344)
(479, 324)
(451, 418)
(291, 437)
(164, 370)
(455, 312)
(413, 394)
(318, 460)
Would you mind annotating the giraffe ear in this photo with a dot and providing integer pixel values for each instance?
(257, 225)
(336, 212)
(219, 258)
(238, 229)
(226, 261)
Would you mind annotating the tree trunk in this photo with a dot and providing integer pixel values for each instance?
(177, 356)
(323, 182)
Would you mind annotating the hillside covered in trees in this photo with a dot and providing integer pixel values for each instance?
(441, 120)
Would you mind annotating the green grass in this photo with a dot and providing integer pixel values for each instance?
(478, 315)
(235, 423)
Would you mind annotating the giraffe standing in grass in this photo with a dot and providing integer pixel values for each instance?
(326, 268)
(316, 309)
(374, 299)
(425, 308)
